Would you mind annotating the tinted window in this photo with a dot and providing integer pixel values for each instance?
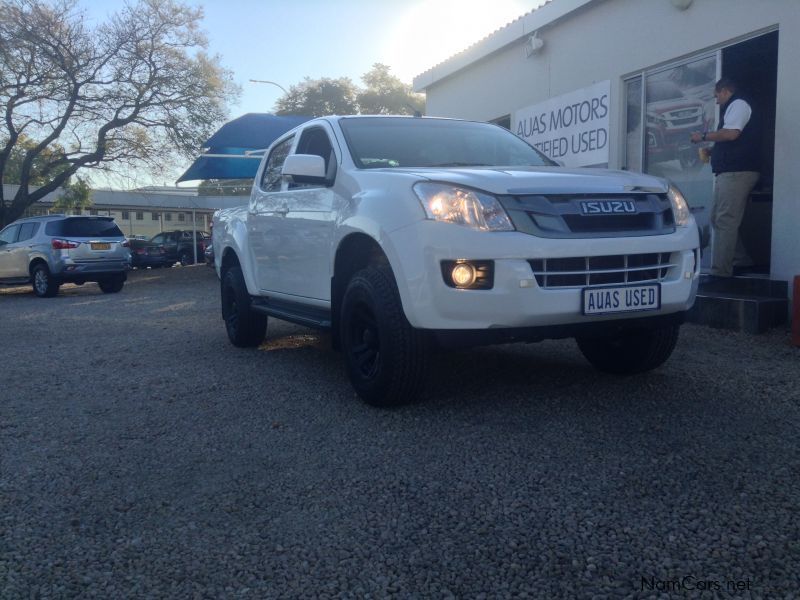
(85, 227)
(27, 231)
(271, 179)
(9, 234)
(158, 239)
(379, 142)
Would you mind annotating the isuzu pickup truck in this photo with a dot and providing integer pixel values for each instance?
(402, 235)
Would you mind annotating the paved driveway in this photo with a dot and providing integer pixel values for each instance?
(143, 456)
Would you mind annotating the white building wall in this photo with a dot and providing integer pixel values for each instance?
(611, 39)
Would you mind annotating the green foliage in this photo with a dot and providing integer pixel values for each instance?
(130, 93)
(383, 94)
(75, 195)
(319, 97)
(225, 187)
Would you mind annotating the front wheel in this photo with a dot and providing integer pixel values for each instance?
(246, 328)
(44, 284)
(386, 358)
(630, 352)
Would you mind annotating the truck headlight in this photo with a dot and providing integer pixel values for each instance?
(462, 206)
(680, 208)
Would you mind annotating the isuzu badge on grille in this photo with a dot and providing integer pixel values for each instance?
(608, 207)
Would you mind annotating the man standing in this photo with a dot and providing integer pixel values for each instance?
(735, 163)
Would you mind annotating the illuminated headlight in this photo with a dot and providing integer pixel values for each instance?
(679, 207)
(462, 206)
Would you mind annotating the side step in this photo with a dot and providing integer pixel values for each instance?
(751, 304)
(301, 314)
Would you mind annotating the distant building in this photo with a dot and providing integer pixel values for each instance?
(145, 211)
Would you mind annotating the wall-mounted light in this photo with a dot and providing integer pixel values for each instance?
(533, 44)
(681, 4)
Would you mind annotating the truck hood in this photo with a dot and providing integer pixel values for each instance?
(542, 180)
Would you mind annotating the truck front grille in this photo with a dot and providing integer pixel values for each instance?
(595, 271)
(562, 216)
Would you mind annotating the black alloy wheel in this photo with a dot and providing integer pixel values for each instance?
(386, 358)
(245, 327)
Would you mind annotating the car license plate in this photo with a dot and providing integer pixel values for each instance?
(101, 246)
(629, 298)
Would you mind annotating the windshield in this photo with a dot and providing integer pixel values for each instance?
(379, 142)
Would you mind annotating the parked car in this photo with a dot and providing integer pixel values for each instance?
(54, 249)
(178, 245)
(145, 254)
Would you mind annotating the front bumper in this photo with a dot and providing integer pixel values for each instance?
(516, 299)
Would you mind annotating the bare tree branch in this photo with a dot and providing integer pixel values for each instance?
(131, 92)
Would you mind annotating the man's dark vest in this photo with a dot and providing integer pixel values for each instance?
(742, 154)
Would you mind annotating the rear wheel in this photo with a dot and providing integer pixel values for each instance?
(387, 359)
(246, 328)
(630, 352)
(44, 284)
(111, 286)
(186, 259)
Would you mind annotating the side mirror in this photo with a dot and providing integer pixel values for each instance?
(305, 168)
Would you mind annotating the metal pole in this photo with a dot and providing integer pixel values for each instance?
(283, 89)
(194, 234)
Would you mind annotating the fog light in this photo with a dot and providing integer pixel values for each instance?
(468, 274)
(463, 275)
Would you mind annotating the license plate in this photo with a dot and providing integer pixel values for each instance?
(629, 298)
(101, 246)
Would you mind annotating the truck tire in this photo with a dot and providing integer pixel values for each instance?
(44, 284)
(111, 286)
(386, 358)
(631, 352)
(186, 259)
(246, 328)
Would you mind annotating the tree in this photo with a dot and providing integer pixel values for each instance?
(75, 195)
(225, 187)
(383, 94)
(319, 97)
(129, 93)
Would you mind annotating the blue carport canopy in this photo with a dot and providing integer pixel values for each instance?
(231, 153)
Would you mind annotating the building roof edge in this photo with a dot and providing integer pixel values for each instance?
(546, 14)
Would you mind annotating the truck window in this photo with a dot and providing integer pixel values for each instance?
(315, 141)
(271, 178)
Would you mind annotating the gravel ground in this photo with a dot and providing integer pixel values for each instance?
(142, 456)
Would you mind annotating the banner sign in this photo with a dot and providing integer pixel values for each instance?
(571, 128)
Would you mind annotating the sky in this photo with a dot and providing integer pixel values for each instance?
(284, 41)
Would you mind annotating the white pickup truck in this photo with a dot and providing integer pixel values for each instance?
(404, 234)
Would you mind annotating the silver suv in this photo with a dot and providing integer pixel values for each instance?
(55, 249)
